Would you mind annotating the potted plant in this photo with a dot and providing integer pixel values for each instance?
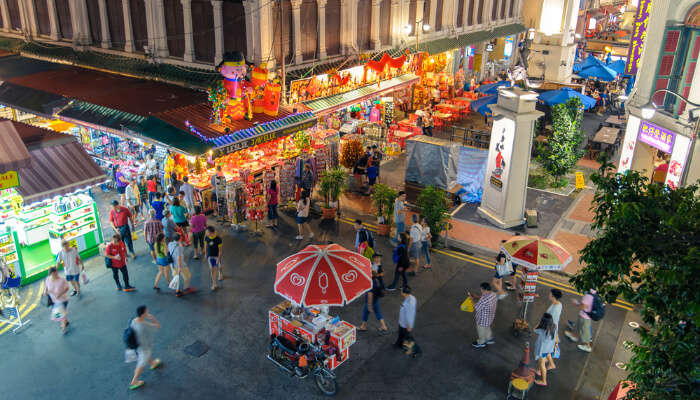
(383, 199)
(433, 205)
(331, 185)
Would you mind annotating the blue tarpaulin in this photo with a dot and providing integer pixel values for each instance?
(598, 71)
(481, 105)
(563, 95)
(471, 170)
(617, 66)
(492, 88)
(589, 61)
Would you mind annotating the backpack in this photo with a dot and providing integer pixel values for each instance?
(598, 309)
(396, 255)
(129, 338)
(366, 235)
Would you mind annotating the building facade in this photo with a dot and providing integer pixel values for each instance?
(198, 32)
(668, 61)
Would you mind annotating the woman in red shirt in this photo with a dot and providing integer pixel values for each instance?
(152, 188)
(116, 257)
(272, 200)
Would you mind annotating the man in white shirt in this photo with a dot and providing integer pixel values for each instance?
(400, 215)
(415, 244)
(189, 195)
(177, 252)
(151, 166)
(72, 265)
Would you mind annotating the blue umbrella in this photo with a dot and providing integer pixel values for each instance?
(562, 95)
(587, 62)
(492, 88)
(598, 71)
(617, 66)
(481, 105)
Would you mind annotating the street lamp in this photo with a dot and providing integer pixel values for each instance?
(408, 28)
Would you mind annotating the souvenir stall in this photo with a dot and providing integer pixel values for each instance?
(300, 328)
(47, 202)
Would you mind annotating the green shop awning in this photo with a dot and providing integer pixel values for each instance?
(99, 117)
(336, 102)
(156, 130)
(467, 39)
(30, 100)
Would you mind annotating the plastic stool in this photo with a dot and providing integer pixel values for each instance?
(518, 388)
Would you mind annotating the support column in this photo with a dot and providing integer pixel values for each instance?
(6, 24)
(250, 54)
(352, 25)
(321, 4)
(486, 12)
(465, 17)
(449, 16)
(475, 13)
(374, 28)
(218, 31)
(395, 22)
(128, 32)
(433, 16)
(189, 39)
(84, 23)
(53, 20)
(104, 24)
(31, 17)
(418, 23)
(296, 21)
(262, 17)
(161, 38)
(75, 22)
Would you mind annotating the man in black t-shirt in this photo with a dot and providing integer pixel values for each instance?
(214, 253)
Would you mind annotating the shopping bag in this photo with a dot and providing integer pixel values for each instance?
(556, 353)
(58, 312)
(84, 278)
(175, 283)
(467, 304)
(130, 356)
(134, 236)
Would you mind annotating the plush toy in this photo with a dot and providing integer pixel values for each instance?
(239, 91)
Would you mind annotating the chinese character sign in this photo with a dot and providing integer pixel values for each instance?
(638, 35)
(656, 137)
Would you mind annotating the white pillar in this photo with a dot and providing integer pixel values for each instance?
(418, 23)
(395, 29)
(321, 4)
(265, 41)
(31, 17)
(128, 32)
(433, 16)
(189, 39)
(161, 38)
(104, 24)
(465, 10)
(75, 22)
(475, 13)
(486, 15)
(6, 24)
(352, 25)
(250, 49)
(374, 28)
(53, 19)
(84, 24)
(449, 16)
(218, 31)
(296, 22)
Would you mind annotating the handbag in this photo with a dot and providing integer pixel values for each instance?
(49, 301)
(467, 304)
(175, 283)
(108, 262)
(556, 353)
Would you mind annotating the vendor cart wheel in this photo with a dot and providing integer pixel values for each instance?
(326, 384)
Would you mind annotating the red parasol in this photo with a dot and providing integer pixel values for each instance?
(323, 275)
(537, 253)
(619, 392)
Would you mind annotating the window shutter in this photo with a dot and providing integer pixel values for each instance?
(667, 60)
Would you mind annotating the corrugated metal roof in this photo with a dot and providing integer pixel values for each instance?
(332, 103)
(13, 152)
(30, 100)
(102, 117)
(158, 130)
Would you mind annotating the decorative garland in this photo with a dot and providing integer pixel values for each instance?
(217, 97)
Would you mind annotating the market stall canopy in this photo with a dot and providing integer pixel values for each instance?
(492, 88)
(481, 105)
(589, 61)
(323, 275)
(336, 102)
(598, 71)
(59, 166)
(99, 117)
(13, 153)
(617, 66)
(467, 39)
(30, 100)
(432, 161)
(563, 95)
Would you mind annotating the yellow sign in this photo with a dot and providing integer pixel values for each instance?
(16, 202)
(579, 181)
(9, 179)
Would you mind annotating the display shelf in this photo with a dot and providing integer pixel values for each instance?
(37, 226)
(72, 210)
(81, 220)
(28, 220)
(60, 234)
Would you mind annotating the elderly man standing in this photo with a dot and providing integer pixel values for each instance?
(151, 228)
(485, 312)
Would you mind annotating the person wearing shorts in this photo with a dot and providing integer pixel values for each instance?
(151, 229)
(145, 326)
(160, 249)
(415, 245)
(180, 215)
(72, 265)
(214, 253)
(198, 224)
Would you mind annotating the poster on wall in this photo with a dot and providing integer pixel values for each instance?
(498, 164)
(677, 163)
(628, 144)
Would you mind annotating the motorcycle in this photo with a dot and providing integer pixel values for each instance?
(303, 359)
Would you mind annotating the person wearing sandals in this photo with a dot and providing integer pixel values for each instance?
(160, 249)
(415, 246)
(502, 270)
(425, 241)
(198, 227)
(144, 326)
(56, 287)
(544, 347)
(372, 297)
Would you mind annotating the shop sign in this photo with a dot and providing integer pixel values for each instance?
(498, 167)
(628, 144)
(639, 33)
(677, 163)
(9, 179)
(656, 136)
(263, 138)
(508, 47)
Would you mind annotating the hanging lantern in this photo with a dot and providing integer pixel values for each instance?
(272, 99)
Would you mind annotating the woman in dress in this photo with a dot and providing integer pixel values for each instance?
(544, 347)
(303, 207)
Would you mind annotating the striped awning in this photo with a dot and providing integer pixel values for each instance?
(13, 153)
(59, 168)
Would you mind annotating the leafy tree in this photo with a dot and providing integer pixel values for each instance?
(563, 150)
(433, 205)
(648, 251)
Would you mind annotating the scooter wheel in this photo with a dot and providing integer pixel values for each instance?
(327, 385)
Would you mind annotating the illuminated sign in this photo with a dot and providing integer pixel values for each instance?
(639, 33)
(9, 179)
(256, 140)
(499, 162)
(489, 47)
(508, 47)
(656, 136)
(678, 160)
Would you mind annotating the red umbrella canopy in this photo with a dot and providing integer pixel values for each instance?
(323, 275)
(537, 253)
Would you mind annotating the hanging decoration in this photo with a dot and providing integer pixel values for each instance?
(379, 66)
(218, 98)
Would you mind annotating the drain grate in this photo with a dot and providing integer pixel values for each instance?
(196, 349)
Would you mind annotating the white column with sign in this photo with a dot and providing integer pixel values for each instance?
(505, 183)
